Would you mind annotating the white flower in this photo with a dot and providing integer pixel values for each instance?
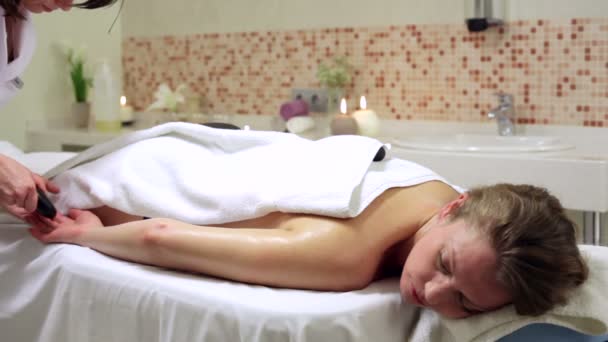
(65, 47)
(168, 99)
(74, 55)
(78, 55)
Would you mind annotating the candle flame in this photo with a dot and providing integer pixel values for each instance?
(343, 106)
(123, 100)
(363, 103)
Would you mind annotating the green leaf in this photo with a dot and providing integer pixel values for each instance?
(80, 82)
(336, 75)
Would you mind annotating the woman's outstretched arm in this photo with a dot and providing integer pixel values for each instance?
(331, 256)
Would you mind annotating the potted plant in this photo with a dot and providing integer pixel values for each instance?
(81, 83)
(334, 77)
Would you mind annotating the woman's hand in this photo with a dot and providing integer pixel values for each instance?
(66, 229)
(18, 188)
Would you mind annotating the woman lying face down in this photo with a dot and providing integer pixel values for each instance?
(457, 254)
(502, 244)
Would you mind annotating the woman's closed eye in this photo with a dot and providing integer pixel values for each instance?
(441, 265)
(461, 300)
(459, 296)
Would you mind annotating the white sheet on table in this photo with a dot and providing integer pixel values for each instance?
(70, 293)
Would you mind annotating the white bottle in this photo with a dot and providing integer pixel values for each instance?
(106, 103)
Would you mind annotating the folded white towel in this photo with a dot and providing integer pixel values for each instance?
(586, 311)
(203, 175)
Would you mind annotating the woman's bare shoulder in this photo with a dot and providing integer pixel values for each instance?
(398, 213)
(413, 201)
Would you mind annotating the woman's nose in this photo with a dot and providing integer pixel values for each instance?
(437, 290)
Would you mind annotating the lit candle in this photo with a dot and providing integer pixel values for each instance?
(367, 120)
(126, 112)
(343, 123)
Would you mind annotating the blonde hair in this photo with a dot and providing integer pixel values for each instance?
(538, 258)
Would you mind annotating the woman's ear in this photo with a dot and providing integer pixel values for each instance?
(455, 204)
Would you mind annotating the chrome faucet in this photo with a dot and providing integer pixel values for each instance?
(504, 114)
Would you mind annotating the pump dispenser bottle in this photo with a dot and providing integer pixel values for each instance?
(483, 14)
(106, 103)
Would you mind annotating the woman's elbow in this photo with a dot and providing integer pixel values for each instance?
(353, 272)
(154, 231)
(348, 282)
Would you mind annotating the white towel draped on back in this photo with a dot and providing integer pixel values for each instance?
(203, 175)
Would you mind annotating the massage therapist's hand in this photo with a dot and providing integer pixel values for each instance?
(18, 188)
(66, 229)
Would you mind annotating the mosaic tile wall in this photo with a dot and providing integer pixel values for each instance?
(557, 70)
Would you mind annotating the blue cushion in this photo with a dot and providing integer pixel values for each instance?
(550, 332)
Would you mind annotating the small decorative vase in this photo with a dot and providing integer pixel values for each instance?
(323, 120)
(81, 113)
(334, 95)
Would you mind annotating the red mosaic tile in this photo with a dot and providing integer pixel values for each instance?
(554, 68)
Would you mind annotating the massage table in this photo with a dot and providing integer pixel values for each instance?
(69, 293)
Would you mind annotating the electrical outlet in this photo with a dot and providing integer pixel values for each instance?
(316, 98)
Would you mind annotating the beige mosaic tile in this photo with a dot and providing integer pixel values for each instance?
(556, 69)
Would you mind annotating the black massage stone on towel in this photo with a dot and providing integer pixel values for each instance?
(221, 125)
(45, 207)
(380, 155)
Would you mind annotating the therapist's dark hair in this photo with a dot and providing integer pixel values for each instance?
(11, 7)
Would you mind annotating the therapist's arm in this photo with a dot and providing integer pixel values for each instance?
(329, 257)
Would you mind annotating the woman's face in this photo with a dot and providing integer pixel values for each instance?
(39, 6)
(451, 269)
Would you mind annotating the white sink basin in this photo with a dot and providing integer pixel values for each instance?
(482, 143)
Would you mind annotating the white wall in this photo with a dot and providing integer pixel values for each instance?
(47, 91)
(188, 16)
(195, 16)
(547, 9)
